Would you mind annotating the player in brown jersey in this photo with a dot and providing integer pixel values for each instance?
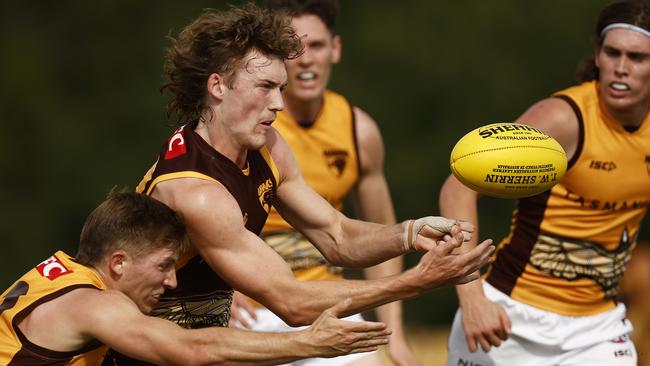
(68, 306)
(549, 298)
(225, 74)
(339, 149)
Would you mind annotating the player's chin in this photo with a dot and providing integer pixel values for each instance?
(259, 138)
(147, 306)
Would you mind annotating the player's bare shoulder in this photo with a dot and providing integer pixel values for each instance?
(369, 141)
(367, 129)
(188, 195)
(557, 118)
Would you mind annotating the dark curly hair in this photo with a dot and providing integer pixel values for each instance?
(217, 42)
(634, 12)
(326, 10)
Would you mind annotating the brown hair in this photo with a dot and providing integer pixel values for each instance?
(217, 42)
(634, 12)
(326, 10)
(133, 222)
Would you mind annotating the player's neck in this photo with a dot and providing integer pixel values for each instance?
(218, 140)
(630, 117)
(304, 112)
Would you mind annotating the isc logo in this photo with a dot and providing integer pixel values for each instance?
(52, 268)
(607, 166)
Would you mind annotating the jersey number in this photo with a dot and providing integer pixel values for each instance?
(11, 299)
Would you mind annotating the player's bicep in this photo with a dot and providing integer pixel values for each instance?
(113, 319)
(217, 230)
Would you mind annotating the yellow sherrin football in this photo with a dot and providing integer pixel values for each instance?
(508, 160)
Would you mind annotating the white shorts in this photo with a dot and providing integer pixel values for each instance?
(544, 338)
(267, 321)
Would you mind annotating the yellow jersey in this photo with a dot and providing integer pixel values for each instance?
(568, 247)
(326, 152)
(54, 277)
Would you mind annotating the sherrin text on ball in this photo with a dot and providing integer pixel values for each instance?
(508, 160)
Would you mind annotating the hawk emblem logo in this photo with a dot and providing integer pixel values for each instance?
(336, 161)
(572, 259)
(265, 194)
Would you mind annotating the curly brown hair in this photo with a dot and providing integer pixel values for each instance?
(217, 42)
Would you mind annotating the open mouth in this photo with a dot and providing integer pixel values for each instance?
(619, 86)
(306, 76)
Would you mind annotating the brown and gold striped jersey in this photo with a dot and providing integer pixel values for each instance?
(568, 247)
(54, 277)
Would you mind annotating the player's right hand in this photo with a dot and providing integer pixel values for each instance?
(331, 336)
(485, 323)
(441, 266)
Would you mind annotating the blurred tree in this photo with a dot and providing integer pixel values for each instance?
(81, 112)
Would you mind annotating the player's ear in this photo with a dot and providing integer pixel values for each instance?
(117, 262)
(216, 85)
(336, 49)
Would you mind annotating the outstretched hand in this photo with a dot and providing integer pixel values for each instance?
(441, 266)
(331, 336)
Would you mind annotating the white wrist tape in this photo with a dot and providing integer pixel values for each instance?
(413, 227)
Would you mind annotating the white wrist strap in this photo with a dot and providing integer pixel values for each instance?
(407, 236)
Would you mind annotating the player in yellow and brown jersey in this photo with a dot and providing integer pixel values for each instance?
(225, 73)
(339, 150)
(63, 311)
(549, 298)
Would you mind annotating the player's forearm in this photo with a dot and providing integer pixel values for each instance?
(460, 203)
(390, 313)
(213, 346)
(309, 299)
(363, 244)
(469, 292)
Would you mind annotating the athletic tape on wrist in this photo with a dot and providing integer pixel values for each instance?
(413, 227)
(406, 235)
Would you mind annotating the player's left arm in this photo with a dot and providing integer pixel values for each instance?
(344, 241)
(372, 201)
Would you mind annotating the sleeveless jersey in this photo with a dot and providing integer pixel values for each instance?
(202, 298)
(568, 247)
(326, 152)
(52, 278)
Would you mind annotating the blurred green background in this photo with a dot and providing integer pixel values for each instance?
(81, 112)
